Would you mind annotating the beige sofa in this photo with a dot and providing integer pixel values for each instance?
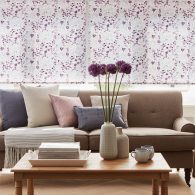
(154, 118)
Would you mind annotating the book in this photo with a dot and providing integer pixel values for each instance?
(60, 145)
(60, 150)
(58, 155)
(63, 146)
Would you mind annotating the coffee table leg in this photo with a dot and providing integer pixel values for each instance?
(164, 187)
(30, 187)
(155, 187)
(18, 187)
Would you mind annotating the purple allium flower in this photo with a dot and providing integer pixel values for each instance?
(94, 70)
(111, 68)
(125, 68)
(102, 69)
(119, 64)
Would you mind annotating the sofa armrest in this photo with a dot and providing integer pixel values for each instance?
(182, 124)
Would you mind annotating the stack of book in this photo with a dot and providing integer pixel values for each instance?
(68, 150)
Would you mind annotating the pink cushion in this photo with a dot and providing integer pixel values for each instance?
(63, 107)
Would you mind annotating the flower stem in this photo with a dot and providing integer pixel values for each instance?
(113, 93)
(106, 105)
(109, 108)
(117, 94)
(101, 96)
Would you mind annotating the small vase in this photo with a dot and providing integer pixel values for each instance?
(122, 143)
(108, 141)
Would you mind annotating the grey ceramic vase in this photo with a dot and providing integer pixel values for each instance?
(108, 141)
(122, 143)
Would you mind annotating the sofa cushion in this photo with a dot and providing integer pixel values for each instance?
(90, 118)
(12, 108)
(161, 139)
(63, 107)
(2, 145)
(83, 138)
(38, 105)
(123, 100)
(1, 123)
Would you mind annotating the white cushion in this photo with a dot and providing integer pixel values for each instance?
(38, 105)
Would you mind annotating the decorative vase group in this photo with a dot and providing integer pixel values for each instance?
(113, 143)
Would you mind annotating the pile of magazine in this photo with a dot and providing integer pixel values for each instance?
(65, 150)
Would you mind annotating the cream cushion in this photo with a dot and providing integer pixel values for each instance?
(38, 105)
(123, 100)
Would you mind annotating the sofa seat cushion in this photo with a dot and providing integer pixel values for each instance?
(161, 139)
(80, 136)
(2, 145)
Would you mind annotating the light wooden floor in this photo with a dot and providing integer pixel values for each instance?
(192, 181)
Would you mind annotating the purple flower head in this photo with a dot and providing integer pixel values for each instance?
(102, 69)
(111, 68)
(125, 68)
(94, 70)
(119, 64)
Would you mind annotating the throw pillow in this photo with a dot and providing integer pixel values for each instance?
(123, 100)
(38, 105)
(90, 118)
(12, 108)
(64, 109)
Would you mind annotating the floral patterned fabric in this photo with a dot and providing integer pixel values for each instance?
(47, 41)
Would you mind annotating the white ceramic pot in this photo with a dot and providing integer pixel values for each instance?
(122, 143)
(108, 141)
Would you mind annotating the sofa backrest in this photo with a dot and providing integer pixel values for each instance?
(148, 108)
(145, 109)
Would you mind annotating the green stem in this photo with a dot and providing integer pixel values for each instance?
(109, 111)
(105, 96)
(101, 95)
(113, 93)
(117, 95)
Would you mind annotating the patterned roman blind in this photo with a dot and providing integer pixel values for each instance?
(54, 41)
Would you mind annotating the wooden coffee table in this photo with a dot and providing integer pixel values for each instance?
(157, 170)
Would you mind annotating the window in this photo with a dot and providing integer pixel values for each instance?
(54, 41)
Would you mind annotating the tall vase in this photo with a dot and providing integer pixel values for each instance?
(122, 143)
(108, 141)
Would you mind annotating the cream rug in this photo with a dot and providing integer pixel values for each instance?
(94, 187)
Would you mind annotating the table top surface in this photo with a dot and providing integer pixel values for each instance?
(96, 163)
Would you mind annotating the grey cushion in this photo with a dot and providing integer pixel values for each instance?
(12, 109)
(90, 118)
